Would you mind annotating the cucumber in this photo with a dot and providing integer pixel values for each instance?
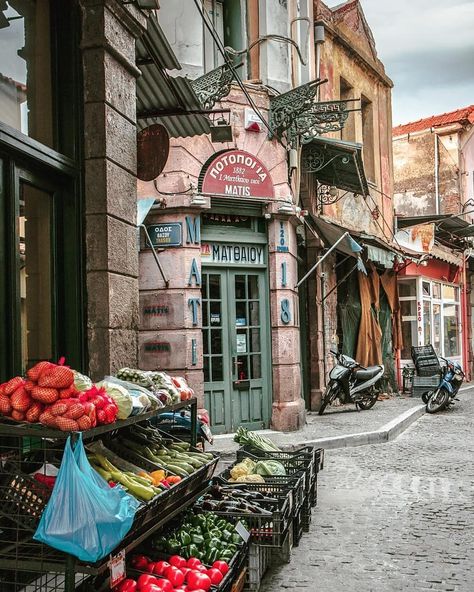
(184, 466)
(178, 470)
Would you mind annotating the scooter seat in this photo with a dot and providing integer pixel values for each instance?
(367, 374)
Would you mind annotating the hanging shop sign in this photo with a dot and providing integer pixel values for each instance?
(166, 234)
(153, 147)
(238, 174)
(232, 254)
(419, 238)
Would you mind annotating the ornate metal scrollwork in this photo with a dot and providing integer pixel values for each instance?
(285, 108)
(315, 158)
(320, 118)
(213, 86)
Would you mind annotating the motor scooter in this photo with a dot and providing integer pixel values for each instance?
(444, 395)
(352, 383)
(178, 423)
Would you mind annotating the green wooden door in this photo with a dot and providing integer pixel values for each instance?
(236, 349)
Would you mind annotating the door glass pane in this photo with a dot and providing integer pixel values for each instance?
(240, 287)
(252, 287)
(217, 370)
(254, 313)
(254, 340)
(216, 341)
(256, 366)
(206, 370)
(407, 288)
(35, 275)
(451, 330)
(427, 321)
(25, 68)
(240, 314)
(215, 313)
(214, 286)
(437, 328)
(243, 368)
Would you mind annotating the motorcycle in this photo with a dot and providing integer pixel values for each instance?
(352, 383)
(178, 423)
(444, 395)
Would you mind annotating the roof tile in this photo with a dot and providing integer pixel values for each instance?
(464, 115)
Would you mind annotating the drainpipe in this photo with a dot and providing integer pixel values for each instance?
(464, 319)
(319, 38)
(436, 173)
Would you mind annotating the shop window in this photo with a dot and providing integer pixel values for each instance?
(26, 102)
(368, 137)
(427, 321)
(437, 328)
(407, 288)
(426, 289)
(346, 92)
(448, 292)
(437, 291)
(451, 330)
(409, 326)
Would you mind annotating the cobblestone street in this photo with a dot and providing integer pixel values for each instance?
(393, 517)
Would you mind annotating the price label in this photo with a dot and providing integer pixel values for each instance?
(242, 531)
(117, 568)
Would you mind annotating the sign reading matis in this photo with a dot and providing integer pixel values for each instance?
(237, 173)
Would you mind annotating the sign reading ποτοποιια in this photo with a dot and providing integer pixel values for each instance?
(231, 254)
(168, 234)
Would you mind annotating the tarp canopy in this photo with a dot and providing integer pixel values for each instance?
(447, 225)
(330, 233)
(162, 98)
(336, 163)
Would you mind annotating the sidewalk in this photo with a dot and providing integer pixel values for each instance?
(338, 426)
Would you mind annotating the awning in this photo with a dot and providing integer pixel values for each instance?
(381, 256)
(448, 227)
(336, 163)
(162, 98)
(330, 233)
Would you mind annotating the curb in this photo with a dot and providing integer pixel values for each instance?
(386, 433)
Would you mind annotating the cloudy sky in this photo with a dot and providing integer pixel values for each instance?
(427, 47)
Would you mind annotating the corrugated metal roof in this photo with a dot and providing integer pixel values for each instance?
(158, 91)
(464, 115)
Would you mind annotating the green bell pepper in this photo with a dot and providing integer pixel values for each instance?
(185, 538)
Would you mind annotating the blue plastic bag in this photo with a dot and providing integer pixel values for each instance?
(84, 516)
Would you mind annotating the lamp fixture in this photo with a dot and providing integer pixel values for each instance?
(221, 131)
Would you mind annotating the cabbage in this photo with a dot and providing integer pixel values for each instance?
(81, 381)
(269, 467)
(120, 395)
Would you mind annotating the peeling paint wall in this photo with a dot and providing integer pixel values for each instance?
(415, 175)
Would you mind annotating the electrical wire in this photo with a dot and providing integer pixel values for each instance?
(220, 46)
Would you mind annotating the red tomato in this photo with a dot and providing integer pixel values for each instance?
(151, 588)
(164, 585)
(193, 562)
(222, 566)
(201, 568)
(177, 561)
(150, 567)
(160, 567)
(127, 585)
(140, 562)
(185, 571)
(197, 581)
(144, 580)
(215, 575)
(174, 575)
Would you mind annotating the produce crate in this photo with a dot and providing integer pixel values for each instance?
(267, 531)
(425, 359)
(294, 462)
(423, 384)
(298, 527)
(296, 483)
(259, 560)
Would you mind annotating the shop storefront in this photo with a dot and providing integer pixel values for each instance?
(233, 274)
(431, 310)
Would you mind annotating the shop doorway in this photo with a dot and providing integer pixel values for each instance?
(236, 348)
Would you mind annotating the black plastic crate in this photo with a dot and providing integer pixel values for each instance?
(298, 527)
(423, 384)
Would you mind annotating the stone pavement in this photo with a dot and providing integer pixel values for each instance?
(335, 421)
(394, 517)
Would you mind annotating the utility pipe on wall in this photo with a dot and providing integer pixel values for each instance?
(436, 173)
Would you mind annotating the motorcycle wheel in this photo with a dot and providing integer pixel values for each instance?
(370, 401)
(426, 396)
(329, 397)
(438, 401)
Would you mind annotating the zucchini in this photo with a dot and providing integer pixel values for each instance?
(178, 470)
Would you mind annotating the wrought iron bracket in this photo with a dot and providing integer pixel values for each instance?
(320, 118)
(213, 86)
(287, 107)
(315, 158)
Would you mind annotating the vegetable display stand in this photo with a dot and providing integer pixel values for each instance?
(31, 454)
